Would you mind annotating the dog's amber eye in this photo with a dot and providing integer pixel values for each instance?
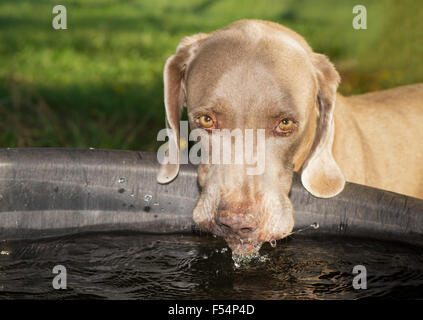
(285, 126)
(206, 122)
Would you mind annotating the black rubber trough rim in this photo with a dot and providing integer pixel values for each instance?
(48, 192)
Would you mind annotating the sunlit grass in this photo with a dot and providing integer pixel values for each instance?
(99, 83)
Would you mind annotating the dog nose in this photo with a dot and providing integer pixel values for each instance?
(236, 224)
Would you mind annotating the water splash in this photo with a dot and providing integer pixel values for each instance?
(244, 260)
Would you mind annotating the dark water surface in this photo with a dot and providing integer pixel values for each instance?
(134, 266)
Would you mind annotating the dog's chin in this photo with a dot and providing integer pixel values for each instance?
(239, 247)
(243, 248)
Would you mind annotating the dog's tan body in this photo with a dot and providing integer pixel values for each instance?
(379, 139)
(254, 75)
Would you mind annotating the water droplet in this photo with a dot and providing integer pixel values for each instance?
(122, 180)
(264, 258)
(148, 197)
(273, 243)
(91, 148)
(155, 203)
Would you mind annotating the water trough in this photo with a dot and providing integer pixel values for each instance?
(47, 192)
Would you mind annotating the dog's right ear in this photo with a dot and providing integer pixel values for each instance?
(321, 175)
(174, 98)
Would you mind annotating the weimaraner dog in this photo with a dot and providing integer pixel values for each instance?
(260, 75)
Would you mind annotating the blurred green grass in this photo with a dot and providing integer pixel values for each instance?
(99, 83)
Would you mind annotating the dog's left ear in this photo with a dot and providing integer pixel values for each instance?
(321, 175)
(174, 99)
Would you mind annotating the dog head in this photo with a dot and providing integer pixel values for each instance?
(263, 78)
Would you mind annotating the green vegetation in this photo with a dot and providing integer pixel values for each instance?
(99, 83)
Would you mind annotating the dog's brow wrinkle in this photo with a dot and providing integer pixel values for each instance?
(219, 108)
(282, 112)
(215, 107)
